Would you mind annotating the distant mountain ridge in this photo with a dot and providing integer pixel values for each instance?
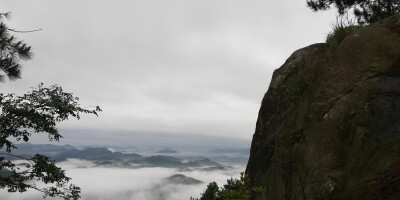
(46, 149)
(167, 151)
(103, 157)
(242, 151)
(182, 179)
(98, 153)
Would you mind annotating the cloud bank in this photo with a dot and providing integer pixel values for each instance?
(131, 184)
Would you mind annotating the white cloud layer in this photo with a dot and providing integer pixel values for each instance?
(130, 184)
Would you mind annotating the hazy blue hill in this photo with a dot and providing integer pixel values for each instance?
(97, 154)
(219, 167)
(182, 179)
(103, 157)
(131, 157)
(47, 149)
(118, 159)
(191, 164)
(29, 150)
(167, 151)
(207, 162)
(230, 155)
(167, 161)
(231, 159)
(113, 164)
(242, 151)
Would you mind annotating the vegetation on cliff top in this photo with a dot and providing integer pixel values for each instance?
(237, 189)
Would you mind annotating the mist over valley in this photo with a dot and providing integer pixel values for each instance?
(136, 173)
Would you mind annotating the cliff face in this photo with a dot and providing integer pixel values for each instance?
(329, 124)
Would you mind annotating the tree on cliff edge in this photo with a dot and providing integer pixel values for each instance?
(35, 112)
(366, 11)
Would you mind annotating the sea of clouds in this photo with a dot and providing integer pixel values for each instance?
(99, 183)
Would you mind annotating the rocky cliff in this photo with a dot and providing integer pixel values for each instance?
(329, 124)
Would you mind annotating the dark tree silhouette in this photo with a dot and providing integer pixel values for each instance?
(11, 52)
(36, 112)
(211, 193)
(366, 11)
(237, 189)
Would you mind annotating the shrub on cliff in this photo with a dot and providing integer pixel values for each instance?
(238, 189)
(340, 29)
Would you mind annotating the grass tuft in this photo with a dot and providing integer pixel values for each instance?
(340, 29)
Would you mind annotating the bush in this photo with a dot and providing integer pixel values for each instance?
(237, 189)
(340, 29)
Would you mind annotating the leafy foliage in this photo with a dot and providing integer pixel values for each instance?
(366, 11)
(238, 189)
(212, 192)
(36, 112)
(12, 51)
(234, 189)
(40, 169)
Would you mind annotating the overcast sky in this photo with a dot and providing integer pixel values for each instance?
(162, 67)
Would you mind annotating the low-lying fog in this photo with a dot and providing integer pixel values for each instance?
(131, 184)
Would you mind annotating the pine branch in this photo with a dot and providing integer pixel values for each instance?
(13, 30)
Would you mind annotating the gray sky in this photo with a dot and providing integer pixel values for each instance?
(162, 67)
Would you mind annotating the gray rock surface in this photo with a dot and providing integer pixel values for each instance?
(329, 124)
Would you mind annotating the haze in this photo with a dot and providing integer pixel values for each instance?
(161, 69)
(128, 184)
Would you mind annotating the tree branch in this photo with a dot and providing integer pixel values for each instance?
(13, 30)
